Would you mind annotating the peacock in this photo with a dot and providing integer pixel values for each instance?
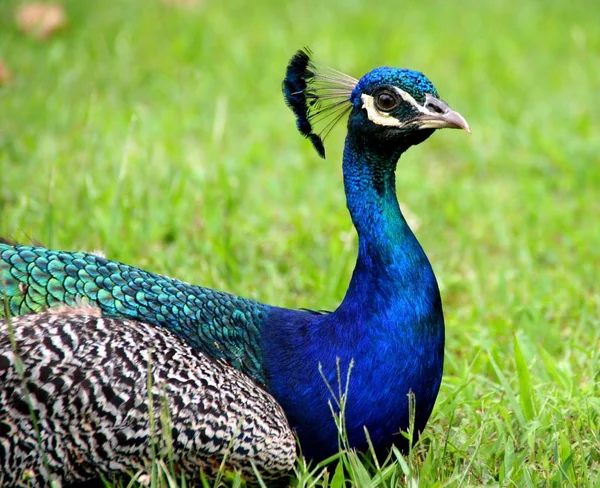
(74, 404)
(383, 346)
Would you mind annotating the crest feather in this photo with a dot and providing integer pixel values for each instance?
(317, 95)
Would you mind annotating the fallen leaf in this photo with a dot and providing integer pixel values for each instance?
(6, 75)
(41, 20)
(191, 4)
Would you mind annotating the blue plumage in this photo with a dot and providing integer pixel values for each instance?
(414, 82)
(390, 325)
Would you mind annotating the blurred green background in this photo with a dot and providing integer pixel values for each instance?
(156, 132)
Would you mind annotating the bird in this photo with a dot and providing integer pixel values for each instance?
(75, 404)
(378, 357)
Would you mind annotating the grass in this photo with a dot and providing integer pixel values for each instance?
(158, 134)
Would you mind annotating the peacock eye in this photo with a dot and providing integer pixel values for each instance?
(386, 101)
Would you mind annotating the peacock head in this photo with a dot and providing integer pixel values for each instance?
(390, 106)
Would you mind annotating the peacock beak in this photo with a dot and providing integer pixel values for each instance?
(436, 114)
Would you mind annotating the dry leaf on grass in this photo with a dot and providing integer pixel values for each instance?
(182, 3)
(41, 20)
(6, 75)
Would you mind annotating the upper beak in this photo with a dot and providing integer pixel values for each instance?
(438, 115)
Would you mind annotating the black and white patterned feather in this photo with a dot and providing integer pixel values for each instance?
(85, 379)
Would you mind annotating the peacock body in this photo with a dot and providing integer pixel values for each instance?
(84, 379)
(390, 324)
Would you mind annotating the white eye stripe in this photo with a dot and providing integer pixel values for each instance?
(407, 97)
(377, 117)
(386, 119)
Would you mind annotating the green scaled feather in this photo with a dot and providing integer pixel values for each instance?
(35, 278)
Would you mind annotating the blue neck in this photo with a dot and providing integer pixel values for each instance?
(392, 272)
(390, 324)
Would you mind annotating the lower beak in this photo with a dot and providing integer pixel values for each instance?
(448, 120)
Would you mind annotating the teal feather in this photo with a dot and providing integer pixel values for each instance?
(34, 278)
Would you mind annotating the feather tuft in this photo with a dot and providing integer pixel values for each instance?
(317, 96)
